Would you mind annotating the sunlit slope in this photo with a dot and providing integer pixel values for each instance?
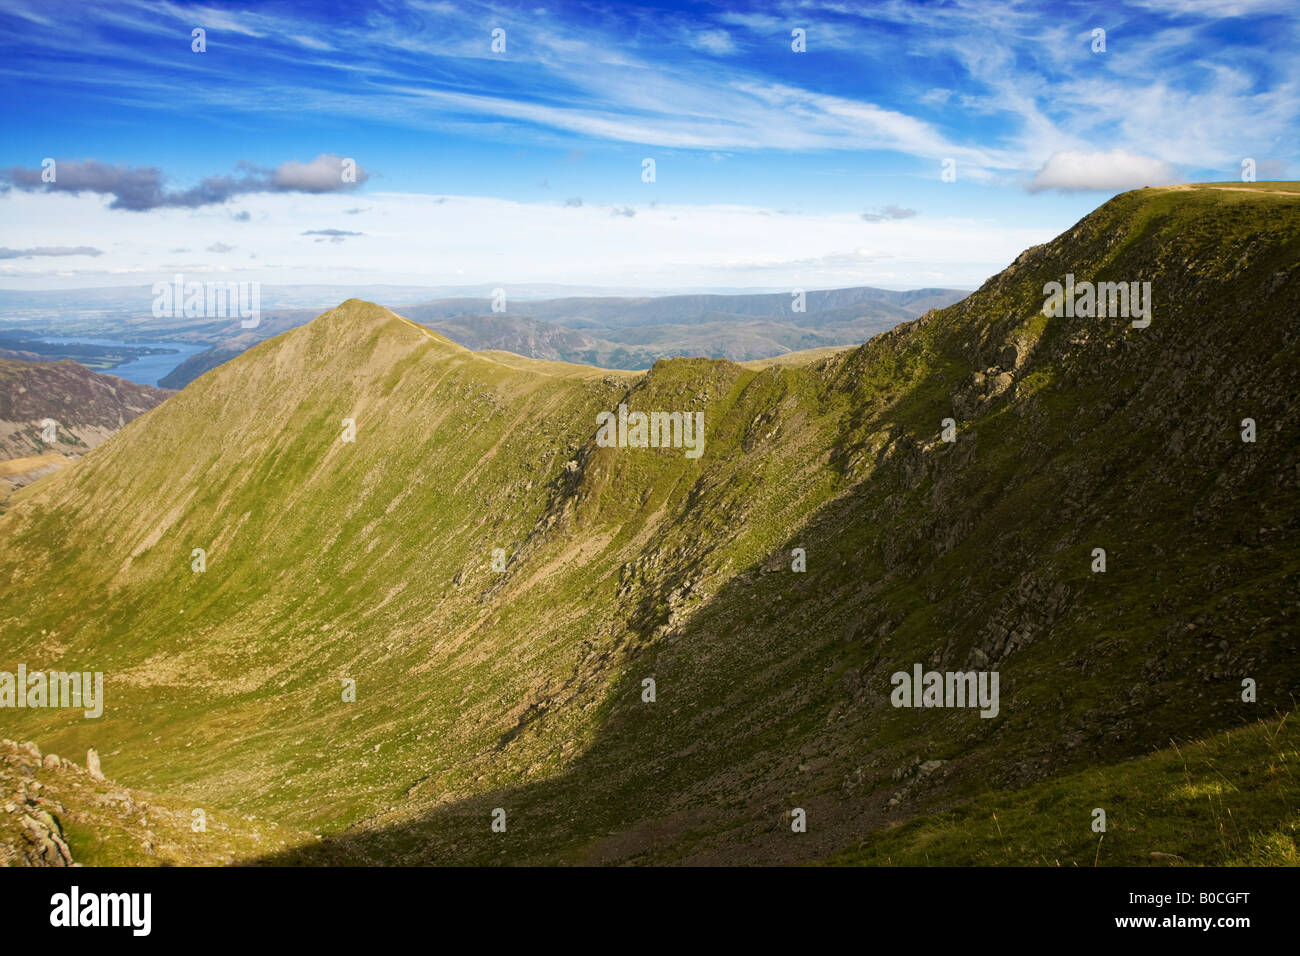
(372, 560)
(367, 560)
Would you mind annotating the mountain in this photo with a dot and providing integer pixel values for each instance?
(85, 407)
(625, 332)
(611, 312)
(516, 679)
(193, 366)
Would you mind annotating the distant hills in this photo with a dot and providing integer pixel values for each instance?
(429, 594)
(633, 332)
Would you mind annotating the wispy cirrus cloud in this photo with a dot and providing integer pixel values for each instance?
(1029, 83)
(890, 213)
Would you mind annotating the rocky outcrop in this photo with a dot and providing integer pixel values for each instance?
(46, 844)
(29, 818)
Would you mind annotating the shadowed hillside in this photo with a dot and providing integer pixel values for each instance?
(87, 406)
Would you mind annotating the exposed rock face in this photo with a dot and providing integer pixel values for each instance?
(30, 832)
(47, 846)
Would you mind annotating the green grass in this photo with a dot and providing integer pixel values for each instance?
(1230, 800)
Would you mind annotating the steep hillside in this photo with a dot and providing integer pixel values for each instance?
(85, 407)
(231, 340)
(329, 561)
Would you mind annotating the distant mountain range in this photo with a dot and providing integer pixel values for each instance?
(634, 333)
(622, 332)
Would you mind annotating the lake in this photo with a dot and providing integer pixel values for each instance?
(145, 370)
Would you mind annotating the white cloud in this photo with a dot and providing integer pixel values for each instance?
(323, 174)
(1075, 171)
(310, 43)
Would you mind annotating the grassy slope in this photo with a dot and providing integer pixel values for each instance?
(1230, 800)
(523, 690)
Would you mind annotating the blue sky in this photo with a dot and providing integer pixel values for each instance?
(773, 168)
